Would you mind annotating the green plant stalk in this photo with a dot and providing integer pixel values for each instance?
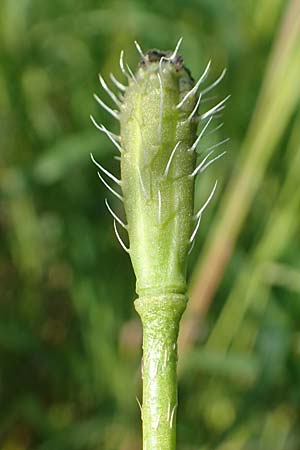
(156, 165)
(158, 142)
(160, 317)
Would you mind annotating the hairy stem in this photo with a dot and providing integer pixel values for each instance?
(158, 142)
(160, 316)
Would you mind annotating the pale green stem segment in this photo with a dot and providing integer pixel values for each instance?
(160, 317)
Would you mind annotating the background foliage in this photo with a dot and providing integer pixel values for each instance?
(69, 336)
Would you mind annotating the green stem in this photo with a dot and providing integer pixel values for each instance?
(160, 316)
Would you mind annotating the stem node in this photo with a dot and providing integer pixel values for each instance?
(160, 316)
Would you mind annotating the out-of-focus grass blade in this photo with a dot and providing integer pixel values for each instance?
(279, 233)
(235, 365)
(277, 102)
(69, 152)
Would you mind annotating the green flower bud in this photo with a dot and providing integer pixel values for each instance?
(159, 119)
(158, 129)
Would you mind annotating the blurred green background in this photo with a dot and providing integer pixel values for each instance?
(70, 340)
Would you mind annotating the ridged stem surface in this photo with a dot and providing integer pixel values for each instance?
(160, 317)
